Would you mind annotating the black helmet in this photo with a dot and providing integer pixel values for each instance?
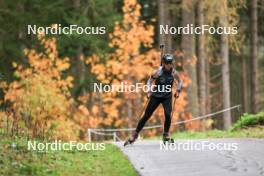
(167, 58)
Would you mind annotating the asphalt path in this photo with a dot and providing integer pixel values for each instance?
(204, 157)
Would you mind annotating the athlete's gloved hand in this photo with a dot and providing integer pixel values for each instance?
(177, 94)
(149, 94)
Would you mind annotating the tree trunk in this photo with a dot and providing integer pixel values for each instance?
(208, 99)
(164, 18)
(189, 60)
(254, 55)
(244, 84)
(80, 64)
(201, 61)
(225, 69)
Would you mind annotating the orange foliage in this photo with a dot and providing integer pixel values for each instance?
(40, 99)
(128, 64)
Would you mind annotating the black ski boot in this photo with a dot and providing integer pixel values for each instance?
(132, 139)
(167, 139)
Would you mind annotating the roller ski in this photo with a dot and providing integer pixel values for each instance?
(166, 139)
(131, 140)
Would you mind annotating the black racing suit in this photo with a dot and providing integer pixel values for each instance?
(160, 95)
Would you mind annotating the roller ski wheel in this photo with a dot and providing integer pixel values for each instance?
(128, 142)
(131, 140)
(168, 141)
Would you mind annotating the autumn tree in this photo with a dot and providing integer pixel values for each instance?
(40, 103)
(127, 63)
(190, 60)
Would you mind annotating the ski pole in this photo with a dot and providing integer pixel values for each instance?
(173, 108)
(143, 108)
(161, 52)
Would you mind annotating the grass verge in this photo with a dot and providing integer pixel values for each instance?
(255, 132)
(16, 159)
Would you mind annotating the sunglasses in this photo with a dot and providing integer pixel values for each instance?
(168, 63)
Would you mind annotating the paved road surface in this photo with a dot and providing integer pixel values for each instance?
(150, 160)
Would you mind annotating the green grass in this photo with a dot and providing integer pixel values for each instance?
(249, 120)
(255, 132)
(20, 161)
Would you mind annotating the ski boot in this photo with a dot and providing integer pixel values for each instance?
(167, 139)
(131, 140)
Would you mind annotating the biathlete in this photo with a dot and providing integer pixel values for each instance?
(163, 78)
